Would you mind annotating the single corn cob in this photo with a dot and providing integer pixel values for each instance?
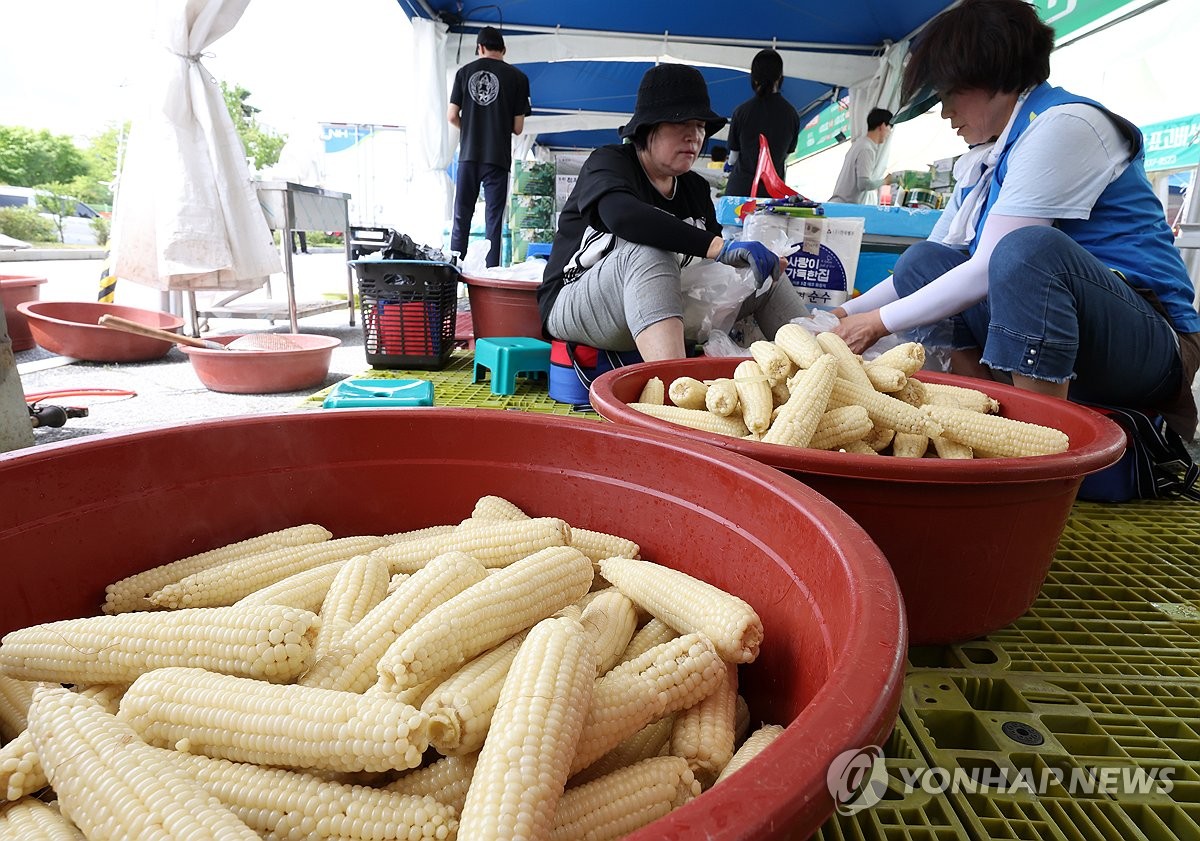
(666, 679)
(653, 633)
(848, 364)
(496, 508)
(420, 534)
(111, 785)
(800, 345)
(941, 394)
(754, 395)
(610, 620)
(652, 392)
(304, 590)
(295, 806)
(776, 364)
(133, 592)
(703, 734)
(752, 747)
(996, 436)
(741, 720)
(290, 726)
(598, 545)
(880, 437)
(446, 780)
(734, 427)
(624, 801)
(32, 820)
(460, 708)
(884, 409)
(687, 393)
(494, 543)
(910, 445)
(779, 395)
(950, 449)
(485, 614)
(650, 741)
(21, 772)
(15, 698)
(861, 448)
(722, 398)
(885, 378)
(270, 642)
(351, 666)
(688, 604)
(396, 580)
(526, 759)
(840, 426)
(800, 416)
(225, 584)
(908, 357)
(912, 393)
(361, 584)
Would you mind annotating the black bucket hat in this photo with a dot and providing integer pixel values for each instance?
(673, 93)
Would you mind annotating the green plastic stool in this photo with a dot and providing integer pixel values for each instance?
(508, 356)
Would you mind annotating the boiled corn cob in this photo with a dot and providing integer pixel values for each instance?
(908, 357)
(295, 806)
(420, 534)
(909, 445)
(849, 365)
(800, 345)
(996, 436)
(775, 364)
(304, 590)
(840, 426)
(525, 761)
(695, 419)
(485, 614)
(624, 801)
(942, 394)
(446, 779)
(111, 785)
(351, 666)
(360, 584)
(799, 417)
(721, 398)
(598, 545)
(880, 437)
(912, 392)
(494, 543)
(396, 580)
(496, 508)
(655, 632)
(687, 393)
(861, 448)
(651, 740)
(15, 698)
(885, 410)
(703, 733)
(653, 392)
(885, 378)
(741, 720)
(460, 708)
(289, 726)
(754, 395)
(779, 395)
(270, 642)
(32, 820)
(134, 591)
(950, 449)
(610, 620)
(666, 679)
(752, 747)
(689, 604)
(225, 584)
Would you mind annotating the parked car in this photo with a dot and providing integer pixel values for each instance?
(77, 228)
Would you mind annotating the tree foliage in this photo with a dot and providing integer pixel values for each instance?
(262, 145)
(30, 158)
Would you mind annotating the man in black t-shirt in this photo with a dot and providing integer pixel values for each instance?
(489, 103)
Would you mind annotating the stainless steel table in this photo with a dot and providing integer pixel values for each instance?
(291, 207)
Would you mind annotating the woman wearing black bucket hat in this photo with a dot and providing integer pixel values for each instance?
(637, 215)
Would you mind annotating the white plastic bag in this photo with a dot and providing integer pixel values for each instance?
(719, 344)
(476, 259)
(712, 295)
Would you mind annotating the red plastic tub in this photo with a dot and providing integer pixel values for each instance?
(71, 328)
(503, 307)
(832, 660)
(970, 541)
(17, 289)
(264, 371)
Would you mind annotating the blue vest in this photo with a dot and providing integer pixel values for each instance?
(1127, 229)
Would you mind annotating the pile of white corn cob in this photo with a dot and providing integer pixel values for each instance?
(290, 686)
(811, 391)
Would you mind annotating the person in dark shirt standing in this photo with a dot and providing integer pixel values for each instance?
(488, 103)
(766, 113)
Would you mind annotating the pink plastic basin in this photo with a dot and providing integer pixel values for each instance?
(831, 666)
(970, 541)
(71, 328)
(17, 289)
(264, 371)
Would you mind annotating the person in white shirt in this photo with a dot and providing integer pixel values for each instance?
(860, 178)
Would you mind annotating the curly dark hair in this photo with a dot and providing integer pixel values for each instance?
(1000, 46)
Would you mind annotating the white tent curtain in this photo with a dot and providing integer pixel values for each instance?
(882, 90)
(187, 215)
(430, 142)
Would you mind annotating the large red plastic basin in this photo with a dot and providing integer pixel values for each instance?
(503, 307)
(17, 289)
(264, 371)
(970, 541)
(71, 328)
(78, 515)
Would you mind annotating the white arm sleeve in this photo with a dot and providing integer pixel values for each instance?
(881, 293)
(961, 287)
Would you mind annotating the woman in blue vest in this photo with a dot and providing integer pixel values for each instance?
(1059, 270)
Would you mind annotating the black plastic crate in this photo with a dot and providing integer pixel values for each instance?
(408, 312)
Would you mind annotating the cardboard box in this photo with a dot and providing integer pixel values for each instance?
(531, 212)
(533, 178)
(563, 185)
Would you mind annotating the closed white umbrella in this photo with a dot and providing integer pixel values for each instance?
(187, 215)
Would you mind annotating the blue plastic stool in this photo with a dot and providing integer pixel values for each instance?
(507, 357)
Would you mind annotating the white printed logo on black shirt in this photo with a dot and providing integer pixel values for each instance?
(484, 87)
